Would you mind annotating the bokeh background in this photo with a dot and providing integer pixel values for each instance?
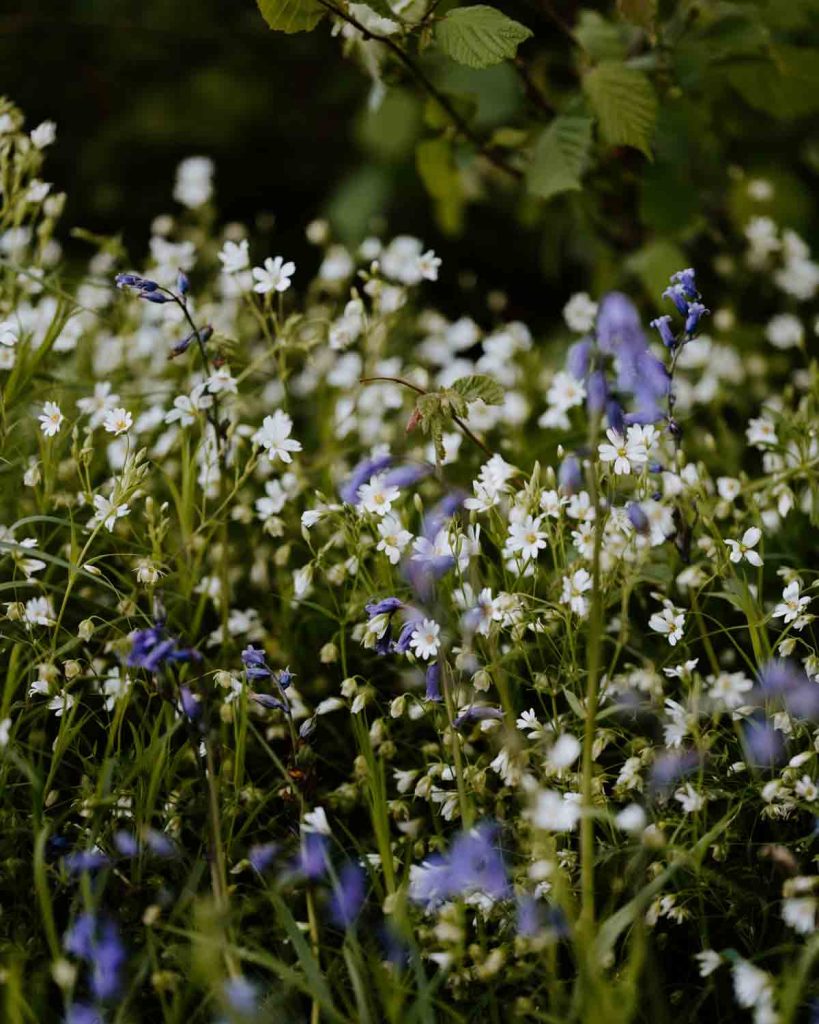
(136, 87)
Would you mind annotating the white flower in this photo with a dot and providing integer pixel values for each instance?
(393, 538)
(234, 256)
(9, 333)
(761, 432)
(689, 798)
(807, 789)
(580, 312)
(37, 191)
(425, 639)
(115, 686)
(5, 732)
(728, 687)
(574, 589)
(798, 912)
(100, 403)
(565, 751)
(107, 512)
(670, 622)
(728, 488)
(51, 419)
(555, 812)
(60, 703)
(316, 821)
(274, 436)
(428, 265)
(39, 611)
(565, 392)
(526, 537)
(631, 819)
(44, 134)
(792, 604)
(274, 276)
(375, 496)
(194, 181)
(709, 960)
(624, 452)
(744, 548)
(751, 985)
(785, 331)
(118, 421)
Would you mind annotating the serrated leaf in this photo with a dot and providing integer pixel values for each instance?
(625, 104)
(479, 36)
(559, 156)
(291, 15)
(786, 86)
(479, 387)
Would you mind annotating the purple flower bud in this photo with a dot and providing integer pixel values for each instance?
(578, 358)
(284, 678)
(695, 311)
(85, 860)
(183, 283)
(637, 517)
(156, 297)
(159, 843)
(79, 1013)
(671, 766)
(786, 679)
(312, 859)
(254, 662)
(401, 645)
(570, 476)
(529, 917)
(348, 896)
(764, 745)
(433, 681)
(387, 605)
(267, 700)
(618, 323)
(477, 713)
(663, 325)
(241, 995)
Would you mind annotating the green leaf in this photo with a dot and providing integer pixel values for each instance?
(785, 87)
(625, 104)
(654, 264)
(639, 12)
(560, 156)
(479, 387)
(479, 36)
(291, 15)
(436, 167)
(600, 38)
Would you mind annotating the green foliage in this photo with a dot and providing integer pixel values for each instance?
(560, 155)
(625, 104)
(477, 387)
(291, 15)
(480, 36)
(436, 411)
(436, 166)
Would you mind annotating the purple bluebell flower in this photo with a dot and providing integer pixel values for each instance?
(637, 517)
(764, 745)
(618, 324)
(597, 392)
(477, 713)
(241, 995)
(386, 606)
(267, 700)
(125, 843)
(437, 518)
(361, 474)
(615, 416)
(312, 860)
(474, 864)
(663, 325)
(151, 649)
(255, 665)
(183, 284)
(530, 917)
(676, 293)
(85, 860)
(190, 704)
(135, 281)
(262, 855)
(671, 766)
(785, 679)
(203, 333)
(686, 279)
(407, 474)
(348, 896)
(80, 1013)
(401, 645)
(569, 475)
(696, 311)
(284, 677)
(578, 358)
(433, 681)
(157, 297)
(98, 943)
(160, 844)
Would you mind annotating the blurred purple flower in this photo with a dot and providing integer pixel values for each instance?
(348, 896)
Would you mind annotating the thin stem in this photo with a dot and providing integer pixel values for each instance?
(455, 419)
(457, 120)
